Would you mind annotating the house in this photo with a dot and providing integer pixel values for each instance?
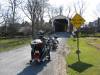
(25, 29)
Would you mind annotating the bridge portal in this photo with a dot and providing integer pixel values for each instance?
(60, 23)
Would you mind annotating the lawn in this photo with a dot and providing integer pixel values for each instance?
(7, 44)
(89, 56)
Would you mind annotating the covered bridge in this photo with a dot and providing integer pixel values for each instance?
(60, 23)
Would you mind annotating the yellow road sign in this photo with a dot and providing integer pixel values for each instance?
(77, 21)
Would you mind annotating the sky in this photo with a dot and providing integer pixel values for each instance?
(91, 13)
(92, 7)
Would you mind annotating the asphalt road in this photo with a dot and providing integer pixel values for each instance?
(16, 62)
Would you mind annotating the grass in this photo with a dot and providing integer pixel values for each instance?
(8, 44)
(91, 35)
(89, 56)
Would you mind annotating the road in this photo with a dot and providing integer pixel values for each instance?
(16, 62)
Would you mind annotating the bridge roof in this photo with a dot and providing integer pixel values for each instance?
(59, 17)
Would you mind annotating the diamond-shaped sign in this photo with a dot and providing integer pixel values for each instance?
(77, 21)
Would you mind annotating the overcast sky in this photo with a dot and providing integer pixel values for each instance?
(92, 7)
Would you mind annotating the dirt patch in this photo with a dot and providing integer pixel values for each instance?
(94, 42)
(95, 45)
(62, 52)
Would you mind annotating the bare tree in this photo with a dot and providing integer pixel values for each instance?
(79, 7)
(5, 16)
(4, 19)
(9, 16)
(60, 10)
(35, 9)
(13, 5)
(1, 21)
(69, 10)
(43, 6)
(53, 11)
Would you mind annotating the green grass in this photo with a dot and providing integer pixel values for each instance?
(89, 56)
(91, 35)
(8, 44)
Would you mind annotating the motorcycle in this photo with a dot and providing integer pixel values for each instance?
(55, 44)
(39, 51)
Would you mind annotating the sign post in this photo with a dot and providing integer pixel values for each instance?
(78, 50)
(77, 21)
